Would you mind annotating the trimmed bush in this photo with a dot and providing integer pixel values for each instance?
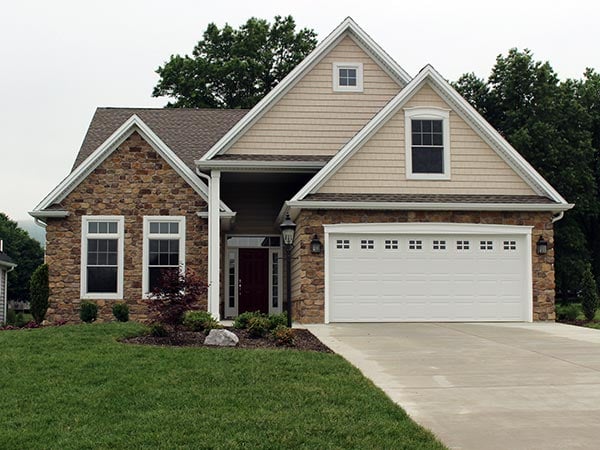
(20, 320)
(121, 312)
(589, 294)
(258, 326)
(158, 330)
(567, 313)
(283, 336)
(200, 321)
(277, 320)
(241, 321)
(88, 312)
(39, 293)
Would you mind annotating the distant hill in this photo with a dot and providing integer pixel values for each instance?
(35, 231)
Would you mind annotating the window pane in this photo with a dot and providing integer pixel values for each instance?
(155, 275)
(92, 245)
(102, 227)
(112, 245)
(153, 227)
(92, 258)
(102, 259)
(174, 227)
(173, 259)
(426, 126)
(416, 139)
(112, 227)
(164, 227)
(153, 260)
(427, 160)
(153, 245)
(112, 259)
(437, 126)
(102, 279)
(416, 125)
(102, 245)
(426, 139)
(437, 139)
(93, 227)
(163, 246)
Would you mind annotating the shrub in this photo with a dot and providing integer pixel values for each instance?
(589, 294)
(276, 320)
(158, 330)
(20, 320)
(121, 312)
(283, 335)
(88, 312)
(39, 293)
(11, 316)
(176, 293)
(258, 326)
(241, 321)
(200, 321)
(567, 313)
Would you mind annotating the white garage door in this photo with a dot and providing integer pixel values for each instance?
(416, 277)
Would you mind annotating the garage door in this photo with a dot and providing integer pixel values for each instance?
(394, 277)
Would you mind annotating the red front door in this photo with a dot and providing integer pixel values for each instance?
(253, 280)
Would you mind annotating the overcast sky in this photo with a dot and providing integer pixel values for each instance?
(59, 59)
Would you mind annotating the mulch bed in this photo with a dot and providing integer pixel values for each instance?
(304, 340)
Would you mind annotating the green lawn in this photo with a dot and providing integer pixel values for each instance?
(77, 387)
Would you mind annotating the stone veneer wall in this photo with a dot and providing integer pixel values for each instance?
(134, 181)
(309, 278)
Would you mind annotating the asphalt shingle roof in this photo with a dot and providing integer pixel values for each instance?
(430, 198)
(190, 133)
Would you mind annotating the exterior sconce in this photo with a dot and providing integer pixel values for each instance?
(541, 246)
(315, 245)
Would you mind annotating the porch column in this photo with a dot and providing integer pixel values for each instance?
(214, 243)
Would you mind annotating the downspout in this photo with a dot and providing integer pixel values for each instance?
(558, 216)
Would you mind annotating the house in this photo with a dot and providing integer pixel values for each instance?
(424, 211)
(6, 265)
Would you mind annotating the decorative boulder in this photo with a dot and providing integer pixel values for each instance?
(221, 338)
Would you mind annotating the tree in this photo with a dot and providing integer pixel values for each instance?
(27, 254)
(39, 293)
(232, 68)
(589, 294)
(547, 121)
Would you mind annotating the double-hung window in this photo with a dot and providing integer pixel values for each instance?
(102, 257)
(427, 143)
(164, 248)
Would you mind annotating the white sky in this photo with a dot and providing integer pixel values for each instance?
(60, 59)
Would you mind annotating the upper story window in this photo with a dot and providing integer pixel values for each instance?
(427, 143)
(347, 77)
(102, 257)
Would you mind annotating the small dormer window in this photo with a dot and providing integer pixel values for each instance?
(347, 77)
(427, 143)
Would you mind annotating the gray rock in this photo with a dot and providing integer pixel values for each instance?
(221, 338)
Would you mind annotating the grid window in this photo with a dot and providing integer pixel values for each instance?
(415, 244)
(510, 245)
(347, 76)
(367, 244)
(342, 244)
(164, 243)
(102, 263)
(391, 244)
(275, 279)
(427, 146)
(439, 245)
(232, 284)
(486, 245)
(462, 245)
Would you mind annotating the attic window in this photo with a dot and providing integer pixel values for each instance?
(427, 143)
(347, 77)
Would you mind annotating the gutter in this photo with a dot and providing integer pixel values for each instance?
(265, 166)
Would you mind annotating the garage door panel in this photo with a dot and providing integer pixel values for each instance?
(466, 278)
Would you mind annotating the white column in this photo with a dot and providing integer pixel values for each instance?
(214, 243)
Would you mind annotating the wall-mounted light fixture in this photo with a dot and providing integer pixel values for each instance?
(315, 245)
(541, 246)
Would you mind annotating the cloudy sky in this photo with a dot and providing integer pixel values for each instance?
(60, 59)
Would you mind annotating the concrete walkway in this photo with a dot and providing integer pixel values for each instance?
(484, 386)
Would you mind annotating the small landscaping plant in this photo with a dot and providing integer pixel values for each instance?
(39, 293)
(276, 320)
(176, 293)
(589, 294)
(121, 312)
(157, 330)
(241, 321)
(567, 313)
(11, 316)
(258, 326)
(200, 321)
(283, 336)
(20, 320)
(88, 312)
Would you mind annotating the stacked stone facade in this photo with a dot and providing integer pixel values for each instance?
(134, 181)
(309, 279)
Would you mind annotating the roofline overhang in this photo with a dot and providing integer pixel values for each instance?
(10, 265)
(261, 166)
(295, 206)
(55, 213)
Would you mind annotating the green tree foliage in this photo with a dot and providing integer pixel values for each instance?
(589, 294)
(39, 293)
(25, 251)
(556, 126)
(234, 68)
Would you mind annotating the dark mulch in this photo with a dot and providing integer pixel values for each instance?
(304, 340)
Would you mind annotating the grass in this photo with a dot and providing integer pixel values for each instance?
(594, 323)
(77, 387)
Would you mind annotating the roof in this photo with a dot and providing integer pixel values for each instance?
(188, 132)
(6, 260)
(230, 157)
(431, 198)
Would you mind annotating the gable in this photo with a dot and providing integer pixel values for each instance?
(379, 166)
(312, 119)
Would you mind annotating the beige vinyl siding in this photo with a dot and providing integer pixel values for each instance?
(312, 119)
(379, 166)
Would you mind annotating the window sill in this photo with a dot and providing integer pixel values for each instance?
(428, 176)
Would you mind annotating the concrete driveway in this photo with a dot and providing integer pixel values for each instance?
(484, 386)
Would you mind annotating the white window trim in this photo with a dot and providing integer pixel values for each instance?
(348, 65)
(146, 246)
(429, 113)
(120, 258)
(278, 309)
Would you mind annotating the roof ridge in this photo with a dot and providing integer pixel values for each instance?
(157, 108)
